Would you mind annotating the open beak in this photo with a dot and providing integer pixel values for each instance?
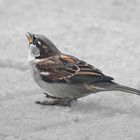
(29, 37)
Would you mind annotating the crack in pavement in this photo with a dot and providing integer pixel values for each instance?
(3, 135)
(13, 64)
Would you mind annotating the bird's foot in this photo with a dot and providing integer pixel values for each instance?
(59, 102)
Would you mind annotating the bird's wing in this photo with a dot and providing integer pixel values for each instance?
(66, 68)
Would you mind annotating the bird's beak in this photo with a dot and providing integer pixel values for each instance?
(29, 37)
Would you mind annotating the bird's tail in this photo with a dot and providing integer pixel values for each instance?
(127, 89)
(111, 86)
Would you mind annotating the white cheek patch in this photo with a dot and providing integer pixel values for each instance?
(39, 43)
(34, 51)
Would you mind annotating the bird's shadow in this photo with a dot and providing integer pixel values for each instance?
(104, 110)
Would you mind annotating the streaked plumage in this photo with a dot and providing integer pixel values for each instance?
(64, 77)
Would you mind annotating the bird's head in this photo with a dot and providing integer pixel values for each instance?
(40, 46)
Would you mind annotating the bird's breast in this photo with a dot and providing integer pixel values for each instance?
(62, 90)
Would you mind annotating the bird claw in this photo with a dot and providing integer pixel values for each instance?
(59, 102)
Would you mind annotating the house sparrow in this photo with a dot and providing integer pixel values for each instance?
(66, 78)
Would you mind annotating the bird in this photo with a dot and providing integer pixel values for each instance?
(65, 78)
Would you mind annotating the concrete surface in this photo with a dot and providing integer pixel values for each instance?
(105, 33)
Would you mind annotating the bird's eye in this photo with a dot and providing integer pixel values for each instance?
(34, 37)
(36, 41)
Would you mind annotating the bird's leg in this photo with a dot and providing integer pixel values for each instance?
(59, 102)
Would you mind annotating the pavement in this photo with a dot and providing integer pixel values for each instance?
(106, 34)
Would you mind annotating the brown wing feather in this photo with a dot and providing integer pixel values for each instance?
(65, 67)
(55, 69)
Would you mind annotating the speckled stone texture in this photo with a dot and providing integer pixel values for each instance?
(105, 33)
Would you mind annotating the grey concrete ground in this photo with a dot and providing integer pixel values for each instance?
(105, 33)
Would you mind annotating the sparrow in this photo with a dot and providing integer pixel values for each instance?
(65, 78)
